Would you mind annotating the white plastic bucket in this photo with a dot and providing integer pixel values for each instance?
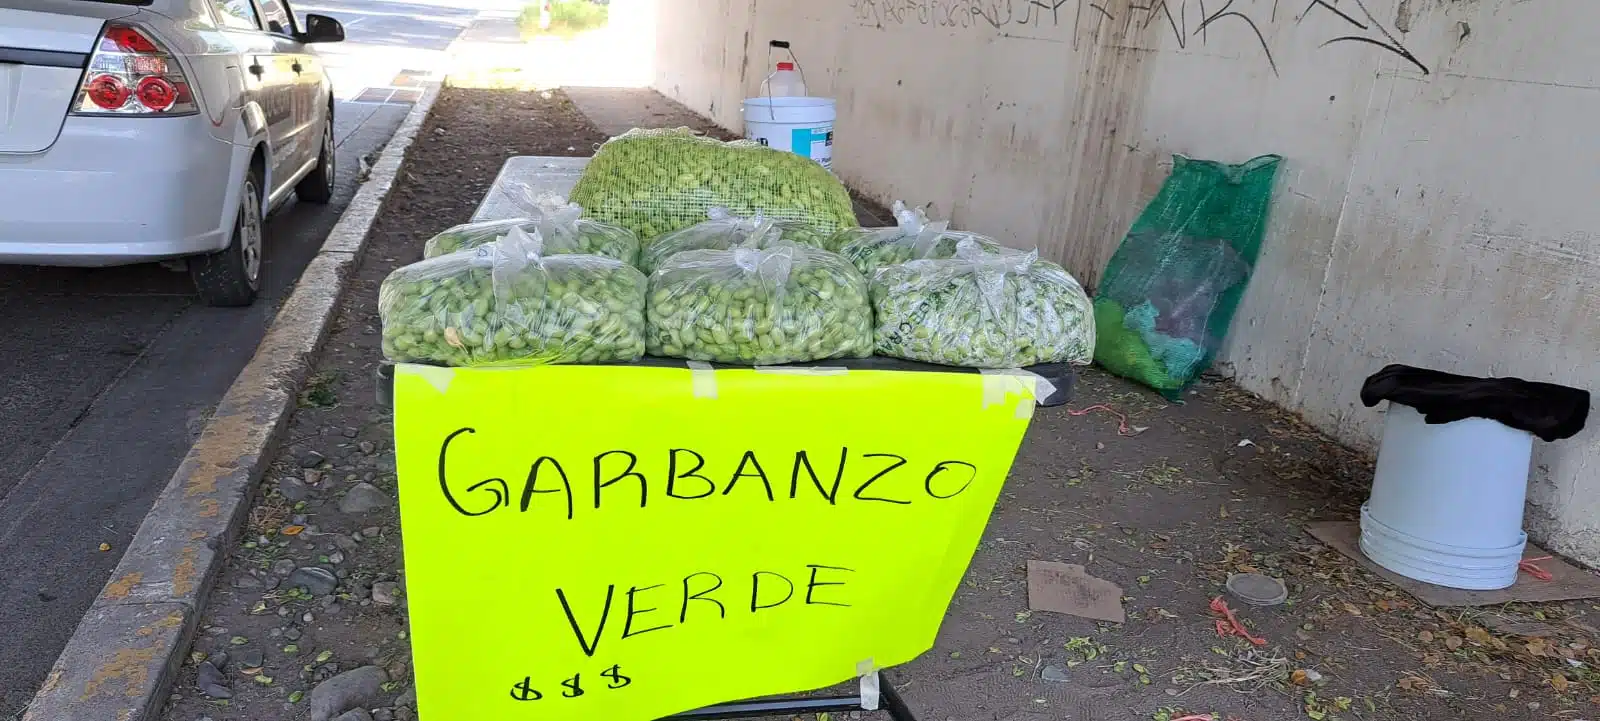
(1447, 500)
(803, 126)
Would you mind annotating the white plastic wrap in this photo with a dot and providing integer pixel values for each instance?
(722, 231)
(912, 237)
(559, 223)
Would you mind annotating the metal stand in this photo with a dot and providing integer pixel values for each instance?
(888, 700)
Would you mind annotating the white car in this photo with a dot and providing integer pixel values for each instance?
(150, 130)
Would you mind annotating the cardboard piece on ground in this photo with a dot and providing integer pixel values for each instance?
(1066, 588)
(1569, 582)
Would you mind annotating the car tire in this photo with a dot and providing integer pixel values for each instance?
(231, 277)
(317, 186)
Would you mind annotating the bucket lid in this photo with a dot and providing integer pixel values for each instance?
(1257, 589)
(785, 66)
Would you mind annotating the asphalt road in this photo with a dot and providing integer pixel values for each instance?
(109, 375)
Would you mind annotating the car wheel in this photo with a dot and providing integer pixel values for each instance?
(317, 186)
(232, 276)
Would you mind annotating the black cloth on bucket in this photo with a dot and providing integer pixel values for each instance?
(1546, 410)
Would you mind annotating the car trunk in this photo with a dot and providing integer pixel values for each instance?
(43, 51)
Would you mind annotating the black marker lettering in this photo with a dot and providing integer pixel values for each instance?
(502, 495)
(749, 460)
(615, 677)
(573, 689)
(755, 590)
(899, 461)
(633, 461)
(524, 691)
(832, 494)
(943, 466)
(529, 488)
(587, 645)
(813, 585)
(673, 475)
(627, 624)
(722, 611)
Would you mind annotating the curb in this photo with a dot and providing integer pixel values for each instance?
(119, 663)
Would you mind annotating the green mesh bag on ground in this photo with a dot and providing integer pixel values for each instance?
(656, 181)
(1169, 293)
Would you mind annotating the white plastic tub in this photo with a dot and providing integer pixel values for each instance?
(803, 126)
(1447, 500)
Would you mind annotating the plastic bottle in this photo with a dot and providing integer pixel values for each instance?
(786, 82)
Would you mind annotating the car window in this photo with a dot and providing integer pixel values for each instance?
(237, 14)
(277, 17)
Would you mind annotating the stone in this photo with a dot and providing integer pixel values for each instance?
(251, 658)
(352, 689)
(356, 714)
(293, 489)
(1054, 674)
(350, 432)
(368, 447)
(291, 633)
(372, 531)
(407, 699)
(211, 682)
(283, 567)
(336, 558)
(246, 582)
(313, 476)
(364, 498)
(386, 593)
(345, 543)
(312, 459)
(319, 581)
(382, 714)
(218, 659)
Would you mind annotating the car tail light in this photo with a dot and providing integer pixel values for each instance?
(132, 74)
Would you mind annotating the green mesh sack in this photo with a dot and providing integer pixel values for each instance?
(656, 181)
(560, 225)
(1169, 293)
(504, 303)
(724, 230)
(912, 237)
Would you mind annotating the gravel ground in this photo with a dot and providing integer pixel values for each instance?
(311, 609)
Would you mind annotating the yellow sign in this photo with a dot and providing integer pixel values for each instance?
(592, 543)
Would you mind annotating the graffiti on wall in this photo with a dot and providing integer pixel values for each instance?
(1191, 22)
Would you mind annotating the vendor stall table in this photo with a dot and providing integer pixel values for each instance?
(525, 177)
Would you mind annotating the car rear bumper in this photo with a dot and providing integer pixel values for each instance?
(113, 191)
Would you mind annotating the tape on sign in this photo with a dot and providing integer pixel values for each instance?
(869, 684)
(1000, 383)
(436, 376)
(704, 379)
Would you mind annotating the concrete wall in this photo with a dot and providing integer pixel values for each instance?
(1439, 204)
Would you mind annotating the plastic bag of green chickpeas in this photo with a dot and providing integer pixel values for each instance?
(656, 181)
(559, 223)
(982, 310)
(912, 237)
(784, 304)
(505, 303)
(723, 230)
